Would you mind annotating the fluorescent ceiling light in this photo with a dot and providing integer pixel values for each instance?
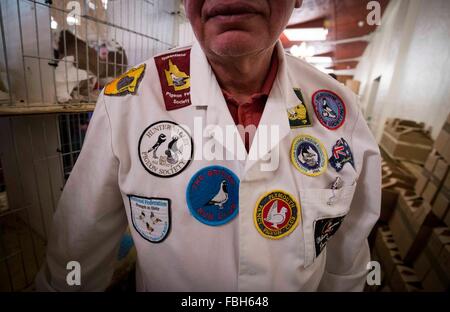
(319, 60)
(306, 34)
(302, 50)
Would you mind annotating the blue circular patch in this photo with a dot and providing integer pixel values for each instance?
(212, 195)
(329, 109)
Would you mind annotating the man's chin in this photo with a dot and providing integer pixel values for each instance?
(235, 43)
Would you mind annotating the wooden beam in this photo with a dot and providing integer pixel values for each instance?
(15, 110)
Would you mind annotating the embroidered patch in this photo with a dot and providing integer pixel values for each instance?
(127, 83)
(165, 149)
(340, 155)
(212, 195)
(173, 71)
(276, 215)
(150, 217)
(298, 115)
(323, 230)
(308, 155)
(329, 109)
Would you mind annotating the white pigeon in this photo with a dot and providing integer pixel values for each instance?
(221, 197)
(67, 77)
(275, 217)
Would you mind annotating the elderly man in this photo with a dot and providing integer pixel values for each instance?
(210, 210)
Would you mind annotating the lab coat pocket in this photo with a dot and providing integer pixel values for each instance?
(323, 211)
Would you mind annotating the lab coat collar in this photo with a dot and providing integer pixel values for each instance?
(206, 92)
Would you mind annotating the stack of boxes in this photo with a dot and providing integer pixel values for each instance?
(406, 140)
(412, 242)
(432, 265)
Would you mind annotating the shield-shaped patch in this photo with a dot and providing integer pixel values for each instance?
(150, 217)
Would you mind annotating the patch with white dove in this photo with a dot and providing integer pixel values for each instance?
(165, 149)
(308, 155)
(212, 195)
(329, 109)
(276, 215)
(150, 217)
(324, 229)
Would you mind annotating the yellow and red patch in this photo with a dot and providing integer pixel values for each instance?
(276, 214)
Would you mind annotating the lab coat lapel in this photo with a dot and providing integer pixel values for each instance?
(274, 124)
(206, 92)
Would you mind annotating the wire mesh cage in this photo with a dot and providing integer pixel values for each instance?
(55, 58)
(64, 52)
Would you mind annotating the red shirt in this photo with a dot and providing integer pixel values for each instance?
(249, 113)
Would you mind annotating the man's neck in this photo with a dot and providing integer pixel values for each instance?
(242, 76)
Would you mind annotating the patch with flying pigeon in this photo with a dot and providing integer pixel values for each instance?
(165, 149)
(340, 155)
(150, 217)
(324, 229)
(329, 108)
(127, 83)
(174, 76)
(298, 115)
(212, 195)
(308, 155)
(276, 214)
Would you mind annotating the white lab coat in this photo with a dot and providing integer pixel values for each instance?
(94, 208)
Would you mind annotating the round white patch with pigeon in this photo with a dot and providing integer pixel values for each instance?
(165, 149)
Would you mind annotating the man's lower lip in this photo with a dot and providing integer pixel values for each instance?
(233, 18)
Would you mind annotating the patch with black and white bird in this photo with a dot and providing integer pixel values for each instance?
(165, 149)
(161, 139)
(221, 197)
(329, 109)
(212, 195)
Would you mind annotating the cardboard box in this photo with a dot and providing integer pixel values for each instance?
(439, 237)
(387, 251)
(440, 170)
(405, 139)
(389, 199)
(431, 161)
(421, 183)
(441, 205)
(411, 224)
(444, 259)
(431, 190)
(447, 182)
(431, 271)
(442, 143)
(422, 265)
(353, 85)
(433, 281)
(447, 219)
(404, 279)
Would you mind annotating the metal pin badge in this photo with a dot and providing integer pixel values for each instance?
(337, 184)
